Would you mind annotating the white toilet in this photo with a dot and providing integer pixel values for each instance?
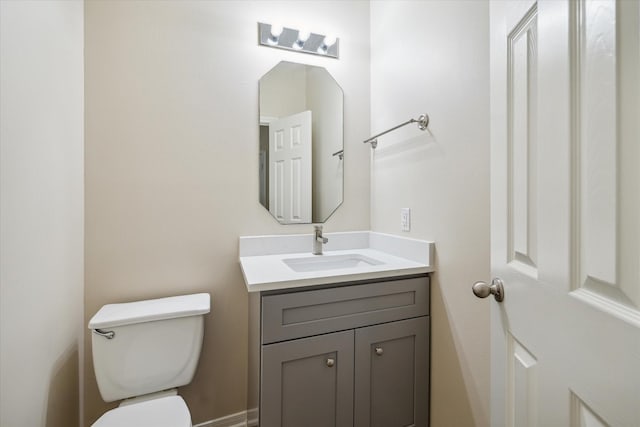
(142, 351)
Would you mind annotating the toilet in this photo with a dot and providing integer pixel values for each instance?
(143, 351)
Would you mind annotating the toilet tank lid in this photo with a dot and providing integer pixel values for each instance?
(129, 313)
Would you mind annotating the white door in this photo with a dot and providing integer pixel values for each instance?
(565, 219)
(290, 168)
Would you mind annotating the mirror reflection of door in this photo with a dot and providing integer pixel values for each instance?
(290, 168)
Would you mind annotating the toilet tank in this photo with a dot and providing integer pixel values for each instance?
(155, 344)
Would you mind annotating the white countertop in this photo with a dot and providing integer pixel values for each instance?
(263, 267)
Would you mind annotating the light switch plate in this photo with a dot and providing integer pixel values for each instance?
(405, 219)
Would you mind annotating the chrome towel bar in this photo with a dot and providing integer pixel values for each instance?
(423, 122)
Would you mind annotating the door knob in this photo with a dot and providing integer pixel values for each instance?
(496, 288)
(330, 362)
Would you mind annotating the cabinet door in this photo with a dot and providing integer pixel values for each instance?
(392, 374)
(308, 382)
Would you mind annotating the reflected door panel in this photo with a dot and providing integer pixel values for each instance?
(290, 168)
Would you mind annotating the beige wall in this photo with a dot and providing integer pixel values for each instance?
(41, 212)
(434, 57)
(172, 161)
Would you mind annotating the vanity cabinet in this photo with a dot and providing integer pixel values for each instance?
(354, 355)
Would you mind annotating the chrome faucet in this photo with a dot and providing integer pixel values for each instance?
(318, 240)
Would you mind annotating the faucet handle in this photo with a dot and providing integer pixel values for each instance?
(319, 236)
(318, 240)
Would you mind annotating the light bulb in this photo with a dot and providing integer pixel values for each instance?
(303, 36)
(276, 30)
(329, 41)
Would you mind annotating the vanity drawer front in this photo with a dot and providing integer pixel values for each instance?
(307, 313)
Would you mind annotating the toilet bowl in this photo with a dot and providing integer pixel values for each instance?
(142, 351)
(163, 412)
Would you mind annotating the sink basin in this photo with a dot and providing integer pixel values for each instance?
(329, 262)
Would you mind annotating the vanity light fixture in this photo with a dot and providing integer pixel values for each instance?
(280, 37)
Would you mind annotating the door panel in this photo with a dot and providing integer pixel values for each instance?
(565, 220)
(522, 84)
(606, 155)
(308, 382)
(391, 382)
(521, 385)
(290, 168)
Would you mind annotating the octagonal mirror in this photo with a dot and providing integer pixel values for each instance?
(301, 158)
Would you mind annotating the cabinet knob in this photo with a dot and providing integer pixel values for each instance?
(330, 362)
(379, 351)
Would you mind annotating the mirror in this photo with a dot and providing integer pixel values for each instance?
(301, 158)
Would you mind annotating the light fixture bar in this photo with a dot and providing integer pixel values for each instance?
(298, 40)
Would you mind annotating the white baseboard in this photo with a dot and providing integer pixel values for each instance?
(252, 417)
(241, 419)
(233, 420)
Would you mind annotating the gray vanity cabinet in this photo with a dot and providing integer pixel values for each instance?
(345, 356)
(308, 382)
